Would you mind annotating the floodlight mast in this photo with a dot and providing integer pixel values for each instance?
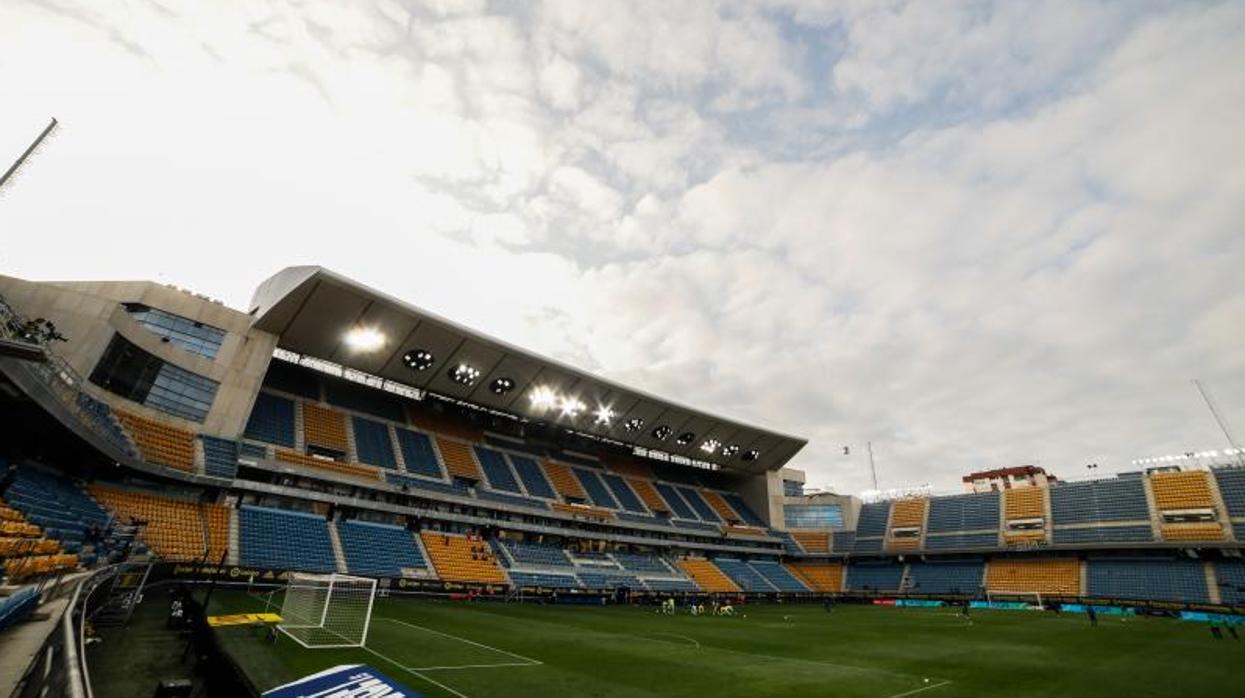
(8, 174)
(1219, 419)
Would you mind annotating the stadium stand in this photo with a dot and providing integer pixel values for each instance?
(637, 562)
(564, 482)
(963, 512)
(907, 514)
(1192, 532)
(1039, 575)
(707, 576)
(719, 506)
(419, 483)
(812, 541)
(379, 550)
(458, 558)
(535, 554)
(418, 454)
(272, 420)
(698, 504)
(360, 399)
(372, 443)
(17, 606)
(648, 494)
(543, 580)
(532, 476)
(1231, 483)
(1118, 499)
(1179, 580)
(220, 457)
(1025, 502)
(622, 493)
(874, 576)
(339, 467)
(597, 493)
(175, 529)
(962, 541)
(778, 576)
(497, 470)
(1181, 490)
(160, 442)
(1230, 575)
(53, 505)
(677, 505)
(952, 577)
(600, 580)
(1103, 534)
(324, 427)
(842, 541)
(737, 503)
(818, 576)
(743, 575)
(285, 540)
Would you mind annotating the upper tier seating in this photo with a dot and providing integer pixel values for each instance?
(1119, 499)
(220, 457)
(1231, 482)
(533, 477)
(812, 541)
(908, 513)
(379, 550)
(418, 454)
(611, 580)
(743, 575)
(1104, 534)
(648, 494)
(702, 509)
(324, 427)
(584, 511)
(962, 541)
(1202, 531)
(339, 467)
(631, 469)
(778, 576)
(719, 506)
(964, 512)
(292, 379)
(596, 490)
(497, 470)
(272, 420)
(872, 521)
(618, 487)
(842, 541)
(418, 483)
(1179, 580)
(638, 562)
(285, 540)
(678, 506)
(563, 480)
(458, 558)
(707, 576)
(1181, 490)
(537, 554)
(364, 399)
(1231, 577)
(737, 503)
(874, 577)
(99, 413)
(458, 459)
(1060, 576)
(160, 442)
(372, 442)
(945, 577)
(819, 576)
(1025, 503)
(517, 500)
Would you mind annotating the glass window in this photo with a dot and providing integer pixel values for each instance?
(132, 373)
(813, 515)
(793, 488)
(187, 334)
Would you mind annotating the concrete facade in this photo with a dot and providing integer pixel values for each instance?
(90, 313)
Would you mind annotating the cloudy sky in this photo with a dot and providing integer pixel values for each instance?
(974, 234)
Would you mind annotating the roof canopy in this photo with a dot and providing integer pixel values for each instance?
(311, 310)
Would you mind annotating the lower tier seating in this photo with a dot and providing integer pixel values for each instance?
(743, 575)
(946, 577)
(778, 576)
(176, 529)
(707, 576)
(875, 577)
(1043, 576)
(458, 558)
(379, 550)
(286, 540)
(818, 576)
(1180, 580)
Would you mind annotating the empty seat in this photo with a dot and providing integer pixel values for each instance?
(324, 427)
(379, 550)
(946, 577)
(872, 520)
(176, 529)
(272, 420)
(698, 504)
(707, 576)
(159, 442)
(372, 442)
(778, 576)
(1160, 579)
(812, 541)
(874, 577)
(1118, 499)
(596, 489)
(563, 480)
(285, 540)
(496, 470)
(418, 454)
(623, 493)
(458, 459)
(339, 467)
(818, 576)
(963, 512)
(532, 476)
(220, 457)
(1058, 576)
(458, 558)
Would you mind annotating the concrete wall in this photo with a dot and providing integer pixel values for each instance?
(90, 313)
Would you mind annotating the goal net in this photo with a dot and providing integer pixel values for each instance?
(1033, 598)
(327, 610)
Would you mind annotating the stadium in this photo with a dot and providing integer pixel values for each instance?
(203, 500)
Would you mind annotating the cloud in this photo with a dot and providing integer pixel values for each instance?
(981, 235)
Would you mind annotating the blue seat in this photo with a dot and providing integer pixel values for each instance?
(544, 580)
(372, 442)
(378, 550)
(874, 577)
(284, 540)
(533, 477)
(418, 454)
(622, 492)
(497, 470)
(220, 457)
(737, 503)
(536, 554)
(778, 576)
(272, 420)
(1149, 579)
(678, 506)
(1116, 499)
(1231, 481)
(1104, 534)
(946, 577)
(742, 574)
(963, 512)
(596, 490)
(701, 507)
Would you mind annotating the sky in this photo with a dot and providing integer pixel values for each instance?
(973, 234)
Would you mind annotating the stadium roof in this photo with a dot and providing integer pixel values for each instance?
(313, 310)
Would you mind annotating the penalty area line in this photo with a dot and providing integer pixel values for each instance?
(528, 660)
(413, 672)
(468, 666)
(922, 689)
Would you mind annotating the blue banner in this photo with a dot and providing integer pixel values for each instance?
(920, 603)
(1204, 617)
(346, 681)
(1100, 610)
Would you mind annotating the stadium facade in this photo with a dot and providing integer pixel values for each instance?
(330, 427)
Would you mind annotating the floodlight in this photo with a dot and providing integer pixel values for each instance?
(571, 407)
(634, 423)
(543, 397)
(464, 374)
(501, 386)
(418, 359)
(752, 455)
(604, 415)
(661, 432)
(685, 438)
(365, 339)
(710, 445)
(730, 450)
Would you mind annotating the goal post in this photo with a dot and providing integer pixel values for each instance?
(1034, 598)
(327, 610)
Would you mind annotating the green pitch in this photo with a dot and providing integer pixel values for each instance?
(482, 650)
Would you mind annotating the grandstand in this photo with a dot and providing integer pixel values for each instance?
(451, 463)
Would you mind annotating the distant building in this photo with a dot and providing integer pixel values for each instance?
(1008, 478)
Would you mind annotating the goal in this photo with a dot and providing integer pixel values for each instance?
(1033, 598)
(327, 610)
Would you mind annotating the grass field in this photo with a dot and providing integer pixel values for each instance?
(483, 650)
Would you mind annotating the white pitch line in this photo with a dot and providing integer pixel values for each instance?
(468, 666)
(529, 660)
(429, 679)
(921, 689)
(681, 637)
